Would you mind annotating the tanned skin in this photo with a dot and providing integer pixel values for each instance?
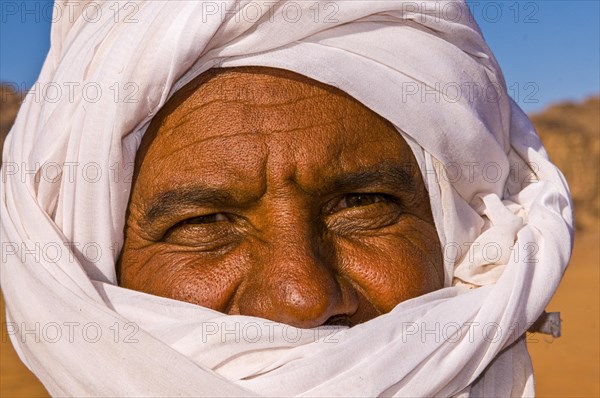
(261, 192)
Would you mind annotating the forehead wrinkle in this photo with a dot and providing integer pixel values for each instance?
(335, 156)
(259, 125)
(217, 81)
(188, 144)
(282, 105)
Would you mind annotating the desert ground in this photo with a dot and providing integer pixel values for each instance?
(568, 366)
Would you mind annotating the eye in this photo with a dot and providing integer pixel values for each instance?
(207, 219)
(208, 232)
(360, 199)
(357, 213)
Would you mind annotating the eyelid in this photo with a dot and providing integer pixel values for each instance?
(207, 236)
(186, 223)
(387, 199)
(188, 220)
(365, 219)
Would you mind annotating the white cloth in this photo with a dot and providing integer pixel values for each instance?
(424, 66)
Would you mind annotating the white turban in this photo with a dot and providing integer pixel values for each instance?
(502, 209)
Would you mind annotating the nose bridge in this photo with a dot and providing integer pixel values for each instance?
(297, 234)
(296, 281)
(299, 253)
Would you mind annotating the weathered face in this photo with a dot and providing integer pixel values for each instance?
(261, 192)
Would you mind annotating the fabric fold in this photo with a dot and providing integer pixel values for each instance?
(502, 210)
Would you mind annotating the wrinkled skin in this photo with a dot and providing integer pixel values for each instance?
(261, 192)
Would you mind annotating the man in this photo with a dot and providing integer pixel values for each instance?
(365, 169)
(260, 192)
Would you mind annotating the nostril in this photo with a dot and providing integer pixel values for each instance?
(339, 320)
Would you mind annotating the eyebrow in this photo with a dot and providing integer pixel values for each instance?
(384, 174)
(388, 174)
(180, 198)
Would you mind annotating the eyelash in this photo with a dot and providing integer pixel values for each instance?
(384, 197)
(190, 220)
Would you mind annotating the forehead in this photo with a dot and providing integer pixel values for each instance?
(225, 102)
(229, 123)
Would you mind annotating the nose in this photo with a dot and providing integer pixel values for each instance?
(296, 281)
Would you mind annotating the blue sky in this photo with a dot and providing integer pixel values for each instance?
(549, 50)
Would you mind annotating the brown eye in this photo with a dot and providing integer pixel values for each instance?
(359, 199)
(206, 232)
(207, 219)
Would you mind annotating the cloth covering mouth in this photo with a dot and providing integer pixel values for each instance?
(424, 66)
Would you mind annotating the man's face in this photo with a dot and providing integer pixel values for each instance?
(264, 193)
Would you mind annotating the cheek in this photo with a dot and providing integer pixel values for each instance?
(197, 278)
(400, 263)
